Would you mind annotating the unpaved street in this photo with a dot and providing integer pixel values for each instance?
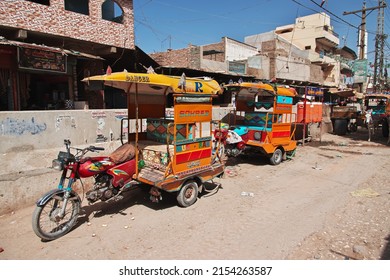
(331, 201)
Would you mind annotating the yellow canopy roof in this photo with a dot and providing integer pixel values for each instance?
(257, 87)
(377, 96)
(157, 83)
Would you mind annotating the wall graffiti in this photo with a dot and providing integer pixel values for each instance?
(11, 126)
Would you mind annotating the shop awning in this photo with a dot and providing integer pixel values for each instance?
(346, 93)
(82, 54)
(4, 41)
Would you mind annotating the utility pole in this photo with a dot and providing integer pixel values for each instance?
(362, 28)
(379, 48)
(170, 42)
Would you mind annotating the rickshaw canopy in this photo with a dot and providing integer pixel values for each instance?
(377, 96)
(157, 83)
(262, 89)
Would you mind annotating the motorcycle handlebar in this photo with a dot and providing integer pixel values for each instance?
(93, 148)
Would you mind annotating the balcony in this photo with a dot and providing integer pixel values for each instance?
(326, 36)
(320, 59)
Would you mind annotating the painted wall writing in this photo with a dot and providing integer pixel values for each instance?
(11, 126)
(98, 114)
(120, 115)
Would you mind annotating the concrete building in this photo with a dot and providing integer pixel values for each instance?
(48, 46)
(306, 52)
(224, 60)
(303, 53)
(283, 61)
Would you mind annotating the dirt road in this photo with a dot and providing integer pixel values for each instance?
(331, 201)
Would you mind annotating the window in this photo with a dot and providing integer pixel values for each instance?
(43, 2)
(307, 47)
(77, 6)
(112, 11)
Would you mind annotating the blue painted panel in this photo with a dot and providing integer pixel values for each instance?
(284, 100)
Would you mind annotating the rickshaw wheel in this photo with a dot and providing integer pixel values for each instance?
(385, 129)
(188, 194)
(276, 157)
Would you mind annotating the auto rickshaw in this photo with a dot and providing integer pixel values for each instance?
(175, 154)
(379, 106)
(263, 122)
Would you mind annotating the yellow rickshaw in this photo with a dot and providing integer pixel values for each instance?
(175, 153)
(263, 121)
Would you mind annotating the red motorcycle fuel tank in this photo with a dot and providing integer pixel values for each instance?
(122, 172)
(95, 165)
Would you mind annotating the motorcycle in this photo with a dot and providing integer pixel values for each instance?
(57, 211)
(233, 139)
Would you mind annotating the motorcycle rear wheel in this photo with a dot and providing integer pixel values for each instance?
(45, 222)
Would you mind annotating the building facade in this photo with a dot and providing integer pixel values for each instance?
(283, 61)
(48, 46)
(305, 53)
(226, 60)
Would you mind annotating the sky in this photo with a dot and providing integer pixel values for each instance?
(163, 24)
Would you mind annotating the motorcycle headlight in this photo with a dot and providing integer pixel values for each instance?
(57, 165)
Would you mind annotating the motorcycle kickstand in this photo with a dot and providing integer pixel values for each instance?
(118, 196)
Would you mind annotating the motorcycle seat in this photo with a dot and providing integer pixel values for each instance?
(123, 153)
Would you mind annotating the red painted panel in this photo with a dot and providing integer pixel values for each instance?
(277, 134)
(191, 156)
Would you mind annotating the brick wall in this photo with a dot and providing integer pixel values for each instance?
(182, 58)
(219, 47)
(195, 58)
(55, 20)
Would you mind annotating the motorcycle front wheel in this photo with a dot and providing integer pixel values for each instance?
(47, 222)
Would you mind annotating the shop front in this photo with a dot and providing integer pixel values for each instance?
(37, 77)
(7, 78)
